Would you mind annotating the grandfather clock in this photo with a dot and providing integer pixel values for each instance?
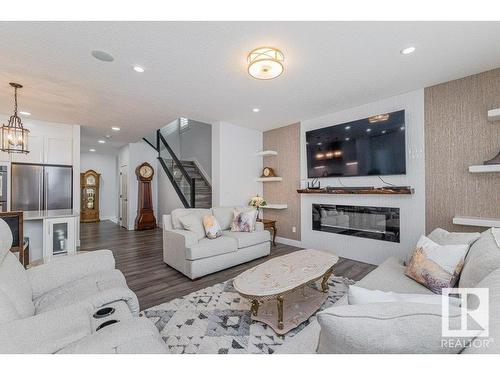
(89, 187)
(145, 216)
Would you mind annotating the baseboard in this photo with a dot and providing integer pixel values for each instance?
(114, 219)
(287, 241)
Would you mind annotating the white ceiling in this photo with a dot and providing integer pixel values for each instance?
(198, 69)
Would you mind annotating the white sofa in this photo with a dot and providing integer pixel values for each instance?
(50, 308)
(195, 258)
(402, 327)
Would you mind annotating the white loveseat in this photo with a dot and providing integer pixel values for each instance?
(50, 308)
(195, 258)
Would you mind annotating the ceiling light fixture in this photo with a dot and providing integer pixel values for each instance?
(368, 130)
(92, 149)
(24, 113)
(256, 110)
(347, 127)
(14, 135)
(115, 128)
(101, 141)
(408, 50)
(139, 69)
(102, 56)
(265, 63)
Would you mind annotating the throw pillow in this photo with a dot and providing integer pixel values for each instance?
(436, 266)
(244, 221)
(360, 296)
(212, 227)
(193, 223)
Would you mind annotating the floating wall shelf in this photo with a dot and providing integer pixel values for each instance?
(269, 179)
(484, 168)
(276, 206)
(476, 221)
(494, 114)
(267, 153)
(397, 190)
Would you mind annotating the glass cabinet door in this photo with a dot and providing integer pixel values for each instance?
(60, 236)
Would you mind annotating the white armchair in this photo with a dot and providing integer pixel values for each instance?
(47, 308)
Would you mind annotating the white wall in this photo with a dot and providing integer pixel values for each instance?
(412, 207)
(234, 164)
(139, 153)
(168, 199)
(107, 166)
(196, 144)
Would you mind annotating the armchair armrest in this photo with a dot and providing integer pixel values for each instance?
(47, 332)
(62, 270)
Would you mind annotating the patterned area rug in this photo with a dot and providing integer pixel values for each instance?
(216, 320)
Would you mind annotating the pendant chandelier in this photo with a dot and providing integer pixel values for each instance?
(14, 135)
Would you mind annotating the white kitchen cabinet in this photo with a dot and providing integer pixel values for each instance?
(59, 236)
(4, 156)
(58, 151)
(35, 147)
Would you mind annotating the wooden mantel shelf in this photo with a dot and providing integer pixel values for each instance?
(346, 190)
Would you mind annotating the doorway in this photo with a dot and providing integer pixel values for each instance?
(123, 221)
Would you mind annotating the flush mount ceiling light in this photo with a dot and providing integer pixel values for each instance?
(139, 69)
(256, 110)
(14, 135)
(102, 56)
(408, 50)
(115, 128)
(265, 63)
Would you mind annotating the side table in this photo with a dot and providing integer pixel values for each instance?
(270, 225)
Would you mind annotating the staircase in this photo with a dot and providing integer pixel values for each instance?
(191, 186)
(203, 190)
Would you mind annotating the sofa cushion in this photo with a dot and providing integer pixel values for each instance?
(193, 223)
(8, 312)
(358, 296)
(389, 276)
(383, 328)
(483, 258)
(224, 216)
(207, 248)
(246, 239)
(15, 285)
(492, 282)
(179, 212)
(79, 290)
(443, 237)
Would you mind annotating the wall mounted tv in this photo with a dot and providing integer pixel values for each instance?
(374, 146)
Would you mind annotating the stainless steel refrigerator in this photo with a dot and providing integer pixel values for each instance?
(41, 187)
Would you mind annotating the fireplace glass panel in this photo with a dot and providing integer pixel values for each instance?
(378, 223)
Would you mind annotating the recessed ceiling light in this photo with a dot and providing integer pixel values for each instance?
(101, 141)
(102, 56)
(108, 136)
(347, 127)
(368, 130)
(348, 139)
(256, 110)
(139, 69)
(402, 128)
(24, 113)
(115, 128)
(408, 50)
(383, 131)
(92, 149)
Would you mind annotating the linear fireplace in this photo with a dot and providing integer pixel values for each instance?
(378, 223)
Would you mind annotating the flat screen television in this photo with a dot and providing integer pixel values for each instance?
(374, 146)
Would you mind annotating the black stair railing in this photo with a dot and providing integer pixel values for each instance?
(176, 164)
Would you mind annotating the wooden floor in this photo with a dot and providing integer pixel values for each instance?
(139, 256)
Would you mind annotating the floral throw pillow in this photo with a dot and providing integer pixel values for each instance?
(435, 266)
(212, 227)
(244, 221)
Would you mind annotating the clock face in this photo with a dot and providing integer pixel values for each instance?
(267, 172)
(90, 180)
(146, 171)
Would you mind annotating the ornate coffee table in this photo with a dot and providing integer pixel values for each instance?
(283, 290)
